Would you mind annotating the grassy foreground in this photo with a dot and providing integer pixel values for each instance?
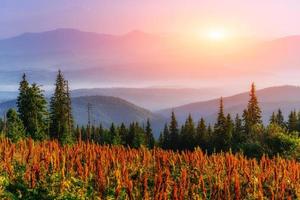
(46, 170)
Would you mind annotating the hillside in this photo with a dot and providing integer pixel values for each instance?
(105, 110)
(286, 98)
(151, 98)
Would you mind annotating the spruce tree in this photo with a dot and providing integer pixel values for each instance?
(100, 139)
(280, 119)
(293, 121)
(188, 134)
(174, 132)
(252, 115)
(149, 135)
(166, 138)
(112, 132)
(138, 136)
(123, 133)
(61, 121)
(273, 118)
(22, 100)
(238, 136)
(220, 129)
(229, 132)
(201, 134)
(32, 108)
(37, 120)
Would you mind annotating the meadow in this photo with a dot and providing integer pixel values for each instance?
(48, 170)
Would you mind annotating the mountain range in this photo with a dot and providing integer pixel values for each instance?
(104, 110)
(286, 98)
(108, 109)
(141, 59)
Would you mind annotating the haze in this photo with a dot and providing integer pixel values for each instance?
(224, 45)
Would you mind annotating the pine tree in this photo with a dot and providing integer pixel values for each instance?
(188, 134)
(138, 136)
(238, 136)
(280, 119)
(112, 132)
(123, 133)
(61, 121)
(252, 115)
(161, 140)
(22, 100)
(166, 138)
(229, 132)
(293, 122)
(15, 128)
(220, 129)
(32, 108)
(149, 135)
(174, 132)
(37, 120)
(210, 140)
(201, 134)
(273, 118)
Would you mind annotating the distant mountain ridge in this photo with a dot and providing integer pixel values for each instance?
(135, 57)
(105, 110)
(286, 98)
(108, 109)
(151, 98)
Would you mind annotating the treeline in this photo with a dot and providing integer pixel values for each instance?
(244, 133)
(133, 136)
(35, 119)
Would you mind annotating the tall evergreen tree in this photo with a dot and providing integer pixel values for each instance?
(112, 132)
(166, 138)
(123, 133)
(174, 132)
(61, 121)
(32, 108)
(149, 135)
(188, 134)
(238, 136)
(273, 118)
(293, 121)
(22, 100)
(201, 134)
(37, 120)
(138, 136)
(252, 115)
(229, 132)
(280, 119)
(220, 129)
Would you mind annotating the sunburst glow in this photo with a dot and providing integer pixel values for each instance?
(217, 35)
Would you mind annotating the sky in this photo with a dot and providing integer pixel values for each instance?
(221, 22)
(267, 18)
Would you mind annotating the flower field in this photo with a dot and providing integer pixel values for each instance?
(46, 170)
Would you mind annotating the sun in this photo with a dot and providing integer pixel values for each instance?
(216, 35)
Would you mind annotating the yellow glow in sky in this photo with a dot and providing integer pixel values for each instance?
(216, 35)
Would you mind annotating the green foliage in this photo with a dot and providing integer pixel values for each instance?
(277, 141)
(188, 134)
(15, 128)
(61, 121)
(32, 108)
(149, 135)
(252, 115)
(174, 132)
